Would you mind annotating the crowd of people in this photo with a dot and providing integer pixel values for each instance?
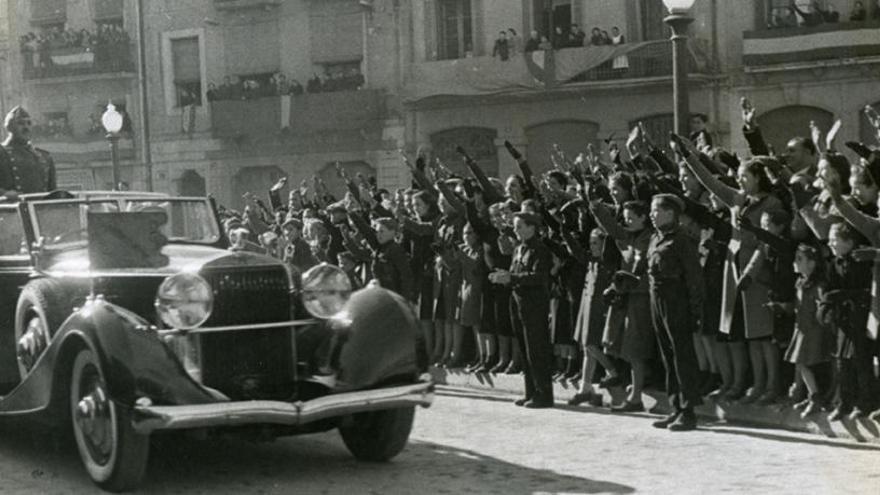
(814, 13)
(110, 44)
(509, 42)
(279, 84)
(749, 280)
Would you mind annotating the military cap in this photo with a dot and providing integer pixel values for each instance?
(16, 113)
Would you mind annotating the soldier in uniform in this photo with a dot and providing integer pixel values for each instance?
(529, 276)
(676, 285)
(23, 168)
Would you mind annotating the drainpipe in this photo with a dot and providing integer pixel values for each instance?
(144, 96)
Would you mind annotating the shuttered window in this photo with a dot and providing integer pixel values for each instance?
(252, 48)
(106, 10)
(187, 71)
(336, 28)
(48, 10)
(455, 29)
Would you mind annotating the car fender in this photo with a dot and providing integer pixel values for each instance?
(375, 337)
(136, 363)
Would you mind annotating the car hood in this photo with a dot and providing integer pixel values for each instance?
(181, 258)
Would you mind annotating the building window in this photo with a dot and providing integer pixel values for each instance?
(455, 29)
(109, 10)
(479, 143)
(48, 11)
(187, 76)
(651, 14)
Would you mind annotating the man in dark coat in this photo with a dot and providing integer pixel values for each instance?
(23, 168)
(529, 276)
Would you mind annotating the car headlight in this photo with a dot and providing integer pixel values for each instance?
(325, 290)
(184, 301)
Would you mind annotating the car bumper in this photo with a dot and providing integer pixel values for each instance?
(148, 418)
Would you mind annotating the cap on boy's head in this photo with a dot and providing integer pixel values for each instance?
(529, 218)
(670, 202)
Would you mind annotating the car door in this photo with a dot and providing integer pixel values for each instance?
(15, 268)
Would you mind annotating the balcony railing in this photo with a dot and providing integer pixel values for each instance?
(41, 63)
(299, 115)
(810, 45)
(542, 70)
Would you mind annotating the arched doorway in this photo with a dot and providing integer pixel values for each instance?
(337, 186)
(257, 181)
(479, 143)
(781, 124)
(191, 184)
(572, 136)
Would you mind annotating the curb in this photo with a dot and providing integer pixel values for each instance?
(779, 416)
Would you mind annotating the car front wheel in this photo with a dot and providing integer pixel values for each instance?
(114, 455)
(378, 436)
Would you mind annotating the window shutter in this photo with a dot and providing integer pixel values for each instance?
(336, 31)
(185, 55)
(108, 9)
(252, 48)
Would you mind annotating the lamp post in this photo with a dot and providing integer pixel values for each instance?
(112, 122)
(679, 19)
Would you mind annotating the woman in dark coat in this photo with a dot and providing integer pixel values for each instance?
(745, 266)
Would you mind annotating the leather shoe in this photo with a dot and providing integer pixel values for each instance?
(810, 409)
(876, 415)
(539, 404)
(666, 421)
(686, 421)
(521, 402)
(628, 406)
(857, 413)
(611, 381)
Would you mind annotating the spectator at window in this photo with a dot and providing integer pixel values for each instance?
(314, 84)
(514, 41)
(560, 38)
(596, 37)
(810, 17)
(212, 92)
(830, 13)
(578, 36)
(545, 44)
(858, 13)
(501, 48)
(296, 88)
(620, 63)
(606, 38)
(534, 42)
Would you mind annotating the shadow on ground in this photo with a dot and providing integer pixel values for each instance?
(317, 464)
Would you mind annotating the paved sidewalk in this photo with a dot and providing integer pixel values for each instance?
(780, 416)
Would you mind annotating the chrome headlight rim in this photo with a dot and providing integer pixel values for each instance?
(325, 290)
(170, 301)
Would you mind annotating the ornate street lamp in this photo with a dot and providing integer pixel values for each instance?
(679, 19)
(112, 122)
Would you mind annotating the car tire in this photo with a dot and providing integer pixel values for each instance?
(114, 455)
(378, 436)
(45, 302)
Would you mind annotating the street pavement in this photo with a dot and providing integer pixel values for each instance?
(470, 442)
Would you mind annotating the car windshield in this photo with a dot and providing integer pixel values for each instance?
(12, 239)
(63, 224)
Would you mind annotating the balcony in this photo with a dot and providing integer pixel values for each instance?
(826, 44)
(46, 63)
(246, 4)
(546, 70)
(324, 117)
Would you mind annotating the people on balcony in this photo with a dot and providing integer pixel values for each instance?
(501, 48)
(858, 13)
(109, 44)
(534, 42)
(279, 84)
(514, 41)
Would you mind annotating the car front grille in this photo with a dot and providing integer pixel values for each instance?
(249, 364)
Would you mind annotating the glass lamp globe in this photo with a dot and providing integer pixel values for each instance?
(678, 6)
(112, 120)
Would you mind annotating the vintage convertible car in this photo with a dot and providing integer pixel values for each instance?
(125, 314)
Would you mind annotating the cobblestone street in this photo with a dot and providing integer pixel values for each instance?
(468, 443)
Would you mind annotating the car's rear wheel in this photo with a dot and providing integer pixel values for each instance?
(114, 455)
(378, 436)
